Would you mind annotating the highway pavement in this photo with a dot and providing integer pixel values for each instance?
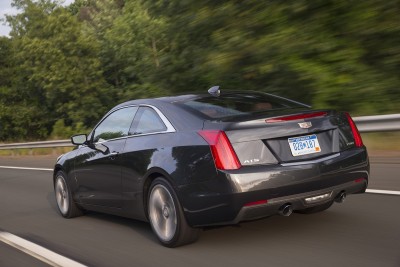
(363, 231)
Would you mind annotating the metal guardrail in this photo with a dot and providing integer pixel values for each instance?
(365, 124)
(379, 123)
(40, 144)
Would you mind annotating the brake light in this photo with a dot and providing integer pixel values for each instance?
(297, 117)
(356, 134)
(224, 156)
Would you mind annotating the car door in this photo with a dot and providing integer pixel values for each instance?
(98, 165)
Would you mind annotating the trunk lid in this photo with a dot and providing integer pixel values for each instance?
(289, 137)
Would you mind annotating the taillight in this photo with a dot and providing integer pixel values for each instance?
(356, 134)
(297, 117)
(224, 156)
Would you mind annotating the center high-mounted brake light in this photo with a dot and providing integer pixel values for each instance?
(357, 136)
(297, 117)
(224, 156)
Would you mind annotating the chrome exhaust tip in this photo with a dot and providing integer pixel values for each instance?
(341, 197)
(286, 210)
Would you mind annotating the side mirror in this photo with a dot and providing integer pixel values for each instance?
(79, 139)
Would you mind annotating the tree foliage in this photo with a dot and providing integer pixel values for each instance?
(63, 67)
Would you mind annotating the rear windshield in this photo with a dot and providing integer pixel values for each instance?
(239, 104)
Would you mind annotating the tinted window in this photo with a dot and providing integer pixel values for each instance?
(148, 121)
(116, 124)
(238, 104)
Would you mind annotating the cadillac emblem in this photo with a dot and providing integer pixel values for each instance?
(305, 125)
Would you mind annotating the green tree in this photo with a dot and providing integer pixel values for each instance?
(57, 63)
(63, 67)
(19, 117)
(327, 53)
(119, 28)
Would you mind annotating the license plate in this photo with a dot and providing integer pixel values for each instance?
(304, 145)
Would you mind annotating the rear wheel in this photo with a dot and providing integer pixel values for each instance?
(66, 205)
(316, 209)
(166, 216)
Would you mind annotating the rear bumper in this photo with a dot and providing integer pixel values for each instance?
(298, 201)
(224, 199)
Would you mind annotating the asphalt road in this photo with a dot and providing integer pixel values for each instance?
(363, 231)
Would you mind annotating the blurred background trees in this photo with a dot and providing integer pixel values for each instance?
(63, 67)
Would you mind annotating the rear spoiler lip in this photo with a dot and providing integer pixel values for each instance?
(299, 116)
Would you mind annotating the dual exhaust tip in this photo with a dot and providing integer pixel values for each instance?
(287, 209)
(341, 197)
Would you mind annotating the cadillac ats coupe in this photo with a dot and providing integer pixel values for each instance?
(217, 158)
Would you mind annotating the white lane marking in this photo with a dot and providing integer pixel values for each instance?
(37, 251)
(386, 192)
(25, 168)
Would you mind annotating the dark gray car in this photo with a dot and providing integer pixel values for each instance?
(196, 160)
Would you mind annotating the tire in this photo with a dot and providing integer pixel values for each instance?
(166, 216)
(65, 204)
(316, 209)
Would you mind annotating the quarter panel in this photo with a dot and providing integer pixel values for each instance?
(183, 157)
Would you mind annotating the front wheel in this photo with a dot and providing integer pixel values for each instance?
(166, 216)
(65, 203)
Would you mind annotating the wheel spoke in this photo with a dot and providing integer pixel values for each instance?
(161, 223)
(164, 195)
(158, 199)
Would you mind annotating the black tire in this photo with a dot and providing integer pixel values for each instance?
(65, 204)
(315, 209)
(166, 216)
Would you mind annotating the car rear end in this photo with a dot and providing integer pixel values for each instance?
(273, 156)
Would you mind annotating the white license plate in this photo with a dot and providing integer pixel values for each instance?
(304, 145)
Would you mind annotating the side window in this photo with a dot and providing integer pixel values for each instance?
(148, 121)
(116, 125)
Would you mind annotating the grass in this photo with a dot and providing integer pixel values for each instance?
(381, 144)
(384, 143)
(35, 151)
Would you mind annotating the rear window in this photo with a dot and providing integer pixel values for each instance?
(239, 104)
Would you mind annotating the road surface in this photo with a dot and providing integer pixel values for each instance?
(363, 231)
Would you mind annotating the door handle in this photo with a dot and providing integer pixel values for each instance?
(113, 155)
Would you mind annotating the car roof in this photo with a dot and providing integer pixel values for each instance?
(159, 100)
(192, 96)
